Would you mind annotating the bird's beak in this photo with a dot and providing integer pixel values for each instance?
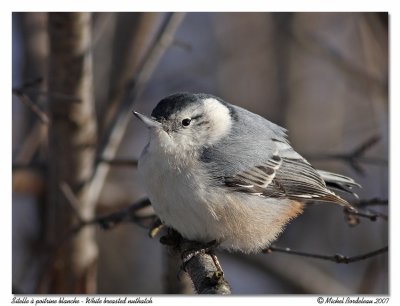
(150, 123)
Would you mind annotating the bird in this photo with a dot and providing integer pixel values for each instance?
(214, 171)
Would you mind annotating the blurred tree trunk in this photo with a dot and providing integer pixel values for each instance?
(72, 137)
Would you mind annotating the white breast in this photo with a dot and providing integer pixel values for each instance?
(177, 195)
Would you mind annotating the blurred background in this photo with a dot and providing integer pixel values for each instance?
(323, 76)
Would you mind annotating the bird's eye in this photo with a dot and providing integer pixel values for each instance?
(186, 122)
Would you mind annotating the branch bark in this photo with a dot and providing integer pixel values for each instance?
(202, 267)
(72, 138)
(206, 277)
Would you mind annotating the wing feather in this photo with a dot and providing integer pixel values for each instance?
(283, 177)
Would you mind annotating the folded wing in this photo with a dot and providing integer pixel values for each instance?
(282, 177)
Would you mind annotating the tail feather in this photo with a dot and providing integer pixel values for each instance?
(339, 182)
(338, 179)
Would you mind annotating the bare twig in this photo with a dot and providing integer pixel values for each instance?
(337, 258)
(31, 105)
(72, 199)
(204, 271)
(355, 157)
(300, 275)
(352, 216)
(359, 77)
(20, 92)
(53, 94)
(114, 134)
(376, 214)
(105, 222)
(369, 214)
(30, 87)
(31, 83)
(30, 145)
(128, 214)
(373, 202)
(141, 28)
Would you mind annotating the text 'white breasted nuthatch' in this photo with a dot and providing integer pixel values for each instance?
(215, 171)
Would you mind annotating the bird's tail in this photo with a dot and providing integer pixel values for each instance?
(339, 182)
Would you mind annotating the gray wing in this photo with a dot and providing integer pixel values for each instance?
(281, 177)
(257, 159)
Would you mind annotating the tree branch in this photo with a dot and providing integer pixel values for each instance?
(201, 264)
(23, 157)
(337, 258)
(355, 157)
(373, 202)
(205, 274)
(114, 134)
(20, 92)
(31, 105)
(301, 275)
(128, 214)
(202, 268)
(72, 200)
(352, 215)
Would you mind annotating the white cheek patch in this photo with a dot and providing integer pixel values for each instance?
(220, 119)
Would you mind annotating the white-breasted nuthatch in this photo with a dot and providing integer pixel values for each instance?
(215, 171)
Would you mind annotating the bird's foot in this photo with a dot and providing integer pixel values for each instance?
(200, 248)
(172, 238)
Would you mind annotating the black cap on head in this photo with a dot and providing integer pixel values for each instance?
(176, 102)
